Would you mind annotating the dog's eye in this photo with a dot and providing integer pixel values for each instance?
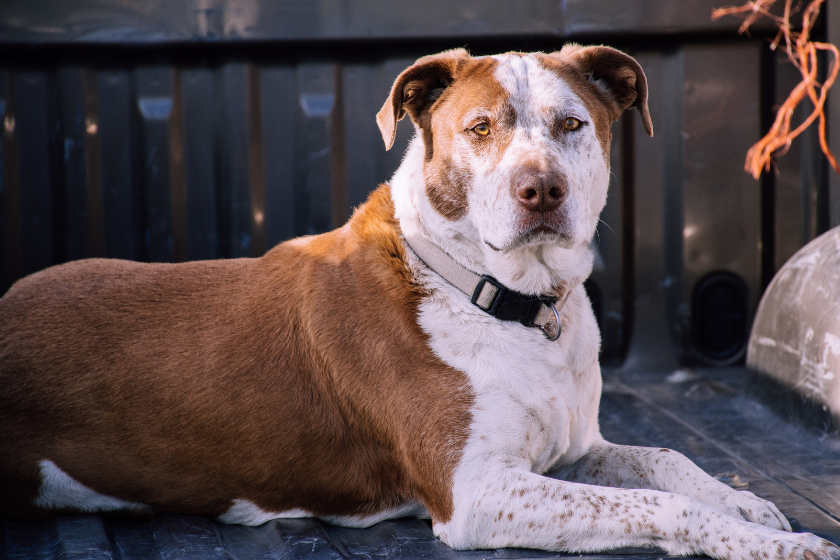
(482, 129)
(571, 124)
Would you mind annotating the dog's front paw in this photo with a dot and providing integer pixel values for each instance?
(760, 543)
(746, 505)
(799, 546)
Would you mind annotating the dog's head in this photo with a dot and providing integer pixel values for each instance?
(517, 145)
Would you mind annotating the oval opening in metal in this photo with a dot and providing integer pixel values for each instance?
(720, 317)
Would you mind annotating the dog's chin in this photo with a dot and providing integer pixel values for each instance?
(533, 236)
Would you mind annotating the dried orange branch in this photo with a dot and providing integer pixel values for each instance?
(802, 52)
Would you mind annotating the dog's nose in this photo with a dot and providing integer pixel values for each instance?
(540, 192)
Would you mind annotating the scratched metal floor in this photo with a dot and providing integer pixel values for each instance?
(708, 419)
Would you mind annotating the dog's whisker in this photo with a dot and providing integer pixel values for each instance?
(606, 224)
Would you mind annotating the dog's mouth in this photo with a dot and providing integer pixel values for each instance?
(541, 227)
(536, 229)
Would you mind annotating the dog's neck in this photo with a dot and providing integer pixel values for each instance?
(541, 269)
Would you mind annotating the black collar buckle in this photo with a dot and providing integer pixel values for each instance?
(509, 305)
(497, 301)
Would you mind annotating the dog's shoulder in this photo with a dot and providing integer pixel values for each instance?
(364, 259)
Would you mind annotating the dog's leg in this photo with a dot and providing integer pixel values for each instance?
(515, 507)
(621, 466)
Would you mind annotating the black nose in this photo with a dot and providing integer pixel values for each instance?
(540, 192)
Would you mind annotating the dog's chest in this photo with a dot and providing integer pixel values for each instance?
(536, 402)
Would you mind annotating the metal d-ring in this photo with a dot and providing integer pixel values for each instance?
(557, 318)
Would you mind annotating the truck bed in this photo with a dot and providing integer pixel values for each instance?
(711, 417)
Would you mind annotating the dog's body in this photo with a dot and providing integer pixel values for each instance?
(339, 376)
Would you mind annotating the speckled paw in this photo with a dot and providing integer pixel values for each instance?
(746, 505)
(794, 546)
(808, 547)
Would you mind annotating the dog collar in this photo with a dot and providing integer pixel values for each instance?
(488, 294)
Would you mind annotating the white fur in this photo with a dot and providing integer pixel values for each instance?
(408, 509)
(245, 512)
(536, 402)
(535, 93)
(59, 490)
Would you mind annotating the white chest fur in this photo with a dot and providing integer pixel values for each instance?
(536, 401)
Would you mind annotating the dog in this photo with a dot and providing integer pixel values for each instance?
(435, 357)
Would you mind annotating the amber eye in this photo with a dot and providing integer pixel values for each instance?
(571, 124)
(482, 129)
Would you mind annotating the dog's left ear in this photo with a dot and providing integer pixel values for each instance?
(618, 73)
(416, 90)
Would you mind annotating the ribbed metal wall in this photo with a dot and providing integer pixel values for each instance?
(164, 164)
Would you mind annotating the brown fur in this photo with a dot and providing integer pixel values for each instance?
(622, 75)
(473, 87)
(436, 93)
(187, 386)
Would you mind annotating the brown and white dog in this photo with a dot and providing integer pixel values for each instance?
(340, 377)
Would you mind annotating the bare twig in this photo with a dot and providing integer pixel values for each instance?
(802, 52)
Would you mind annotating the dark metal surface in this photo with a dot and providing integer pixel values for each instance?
(721, 204)
(657, 215)
(707, 418)
(101, 21)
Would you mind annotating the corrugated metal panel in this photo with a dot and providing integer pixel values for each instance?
(657, 214)
(721, 205)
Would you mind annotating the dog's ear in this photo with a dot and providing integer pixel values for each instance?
(615, 73)
(416, 90)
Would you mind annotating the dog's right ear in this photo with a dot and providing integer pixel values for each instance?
(416, 90)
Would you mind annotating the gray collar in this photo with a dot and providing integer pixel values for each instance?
(488, 294)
